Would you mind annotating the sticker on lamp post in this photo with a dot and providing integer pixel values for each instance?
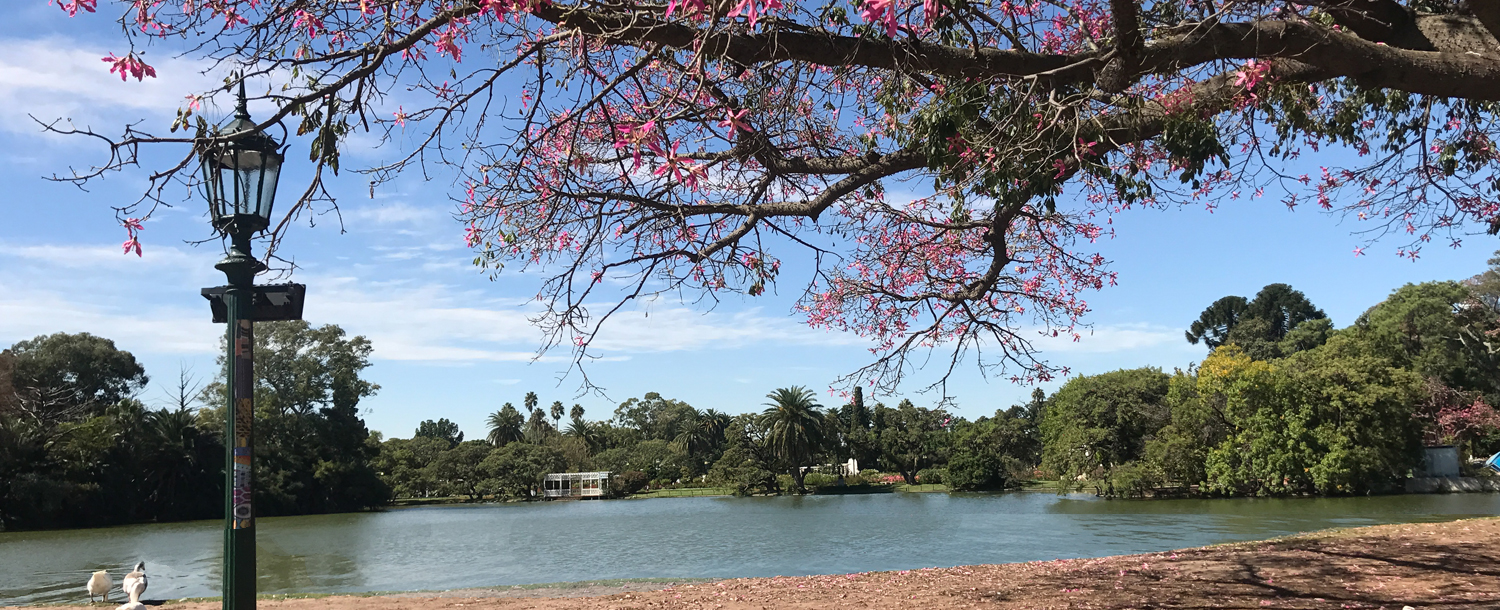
(243, 515)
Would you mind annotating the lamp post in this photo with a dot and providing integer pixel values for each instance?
(239, 180)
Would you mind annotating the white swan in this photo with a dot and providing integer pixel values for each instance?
(99, 585)
(134, 584)
(132, 606)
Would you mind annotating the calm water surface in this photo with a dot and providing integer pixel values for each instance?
(470, 546)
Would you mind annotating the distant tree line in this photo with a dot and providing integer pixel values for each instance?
(80, 447)
(1284, 404)
(657, 441)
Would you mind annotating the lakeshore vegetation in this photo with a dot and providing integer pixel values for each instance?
(1284, 404)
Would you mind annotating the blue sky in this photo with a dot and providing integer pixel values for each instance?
(450, 342)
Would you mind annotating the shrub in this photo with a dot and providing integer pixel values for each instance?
(818, 479)
(930, 476)
(968, 471)
(869, 474)
(1132, 480)
(630, 481)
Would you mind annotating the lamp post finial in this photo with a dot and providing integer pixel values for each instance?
(241, 108)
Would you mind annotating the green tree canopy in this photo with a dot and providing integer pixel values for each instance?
(1333, 420)
(1279, 307)
(1096, 422)
(1486, 285)
(655, 417)
(911, 438)
(313, 453)
(442, 429)
(1214, 324)
(1437, 330)
(1307, 335)
(67, 376)
(458, 470)
(1256, 337)
(516, 470)
(991, 453)
(1283, 308)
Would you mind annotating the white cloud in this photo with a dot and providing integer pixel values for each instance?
(435, 322)
(27, 312)
(397, 213)
(408, 317)
(52, 78)
(153, 258)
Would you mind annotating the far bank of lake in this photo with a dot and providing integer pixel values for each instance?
(447, 547)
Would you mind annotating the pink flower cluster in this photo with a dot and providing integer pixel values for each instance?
(71, 7)
(132, 244)
(128, 66)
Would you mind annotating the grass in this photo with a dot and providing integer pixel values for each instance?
(429, 501)
(1041, 485)
(685, 492)
(921, 488)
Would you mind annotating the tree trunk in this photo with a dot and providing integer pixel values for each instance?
(910, 476)
(798, 475)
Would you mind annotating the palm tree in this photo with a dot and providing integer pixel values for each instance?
(794, 428)
(537, 428)
(577, 412)
(586, 432)
(557, 412)
(174, 463)
(530, 401)
(505, 426)
(704, 435)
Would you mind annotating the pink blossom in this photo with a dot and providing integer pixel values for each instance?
(71, 7)
(880, 11)
(750, 9)
(447, 42)
(129, 65)
(303, 19)
(931, 10)
(1251, 74)
(689, 7)
(735, 121)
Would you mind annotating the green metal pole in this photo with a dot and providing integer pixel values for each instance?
(239, 439)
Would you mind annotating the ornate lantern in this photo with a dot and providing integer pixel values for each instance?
(240, 174)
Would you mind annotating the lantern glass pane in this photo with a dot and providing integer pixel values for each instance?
(246, 181)
(270, 172)
(213, 187)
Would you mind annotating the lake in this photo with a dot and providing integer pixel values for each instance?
(446, 547)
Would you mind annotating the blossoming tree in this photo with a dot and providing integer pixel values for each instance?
(632, 148)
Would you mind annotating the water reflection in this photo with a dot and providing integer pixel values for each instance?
(465, 546)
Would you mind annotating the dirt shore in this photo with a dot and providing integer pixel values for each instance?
(1443, 565)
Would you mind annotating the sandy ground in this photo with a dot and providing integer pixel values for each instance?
(1445, 565)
